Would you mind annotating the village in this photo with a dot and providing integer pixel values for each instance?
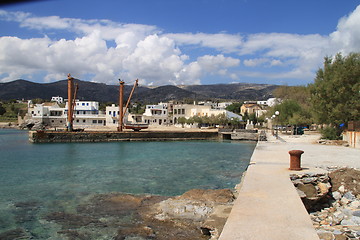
(87, 114)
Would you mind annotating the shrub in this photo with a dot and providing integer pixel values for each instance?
(330, 133)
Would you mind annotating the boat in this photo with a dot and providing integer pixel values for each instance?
(136, 126)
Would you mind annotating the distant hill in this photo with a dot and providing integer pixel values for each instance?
(23, 89)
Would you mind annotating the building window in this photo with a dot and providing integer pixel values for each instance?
(87, 104)
(60, 121)
(77, 112)
(100, 121)
(77, 120)
(109, 112)
(84, 120)
(113, 121)
(83, 104)
(183, 111)
(94, 121)
(175, 111)
(52, 121)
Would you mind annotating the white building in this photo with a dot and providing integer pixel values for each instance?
(157, 114)
(223, 105)
(50, 114)
(57, 99)
(87, 114)
(188, 110)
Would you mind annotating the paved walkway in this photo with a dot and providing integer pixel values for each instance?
(268, 206)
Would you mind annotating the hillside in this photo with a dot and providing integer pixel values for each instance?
(22, 89)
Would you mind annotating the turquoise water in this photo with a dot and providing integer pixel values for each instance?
(58, 176)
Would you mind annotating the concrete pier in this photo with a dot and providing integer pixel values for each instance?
(268, 205)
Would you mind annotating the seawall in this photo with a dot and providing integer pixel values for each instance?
(57, 136)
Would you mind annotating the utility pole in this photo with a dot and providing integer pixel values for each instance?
(121, 103)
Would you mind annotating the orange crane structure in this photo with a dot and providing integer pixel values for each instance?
(122, 110)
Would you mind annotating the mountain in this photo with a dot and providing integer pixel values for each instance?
(23, 89)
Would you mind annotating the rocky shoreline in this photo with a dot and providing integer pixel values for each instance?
(197, 214)
(333, 202)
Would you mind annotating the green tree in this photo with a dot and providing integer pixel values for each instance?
(335, 93)
(291, 113)
(182, 121)
(234, 107)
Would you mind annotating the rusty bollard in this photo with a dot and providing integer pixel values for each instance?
(295, 160)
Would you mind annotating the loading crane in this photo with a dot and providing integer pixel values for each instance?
(122, 111)
(72, 91)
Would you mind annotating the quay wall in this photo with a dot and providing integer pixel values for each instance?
(54, 136)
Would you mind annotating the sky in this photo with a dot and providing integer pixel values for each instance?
(175, 42)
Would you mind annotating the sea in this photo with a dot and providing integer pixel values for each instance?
(38, 179)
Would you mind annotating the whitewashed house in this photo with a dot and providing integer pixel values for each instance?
(157, 114)
(87, 114)
(49, 114)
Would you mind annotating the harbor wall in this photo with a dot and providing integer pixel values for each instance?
(56, 136)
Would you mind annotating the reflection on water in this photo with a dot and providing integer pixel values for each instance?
(40, 178)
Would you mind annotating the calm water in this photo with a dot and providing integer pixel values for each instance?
(60, 175)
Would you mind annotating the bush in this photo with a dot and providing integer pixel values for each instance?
(330, 133)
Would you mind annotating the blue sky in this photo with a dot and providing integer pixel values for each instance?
(163, 42)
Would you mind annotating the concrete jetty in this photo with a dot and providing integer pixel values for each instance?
(268, 205)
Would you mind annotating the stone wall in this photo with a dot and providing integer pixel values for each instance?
(54, 136)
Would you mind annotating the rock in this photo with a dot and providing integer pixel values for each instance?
(349, 196)
(323, 187)
(355, 204)
(356, 213)
(336, 195)
(355, 220)
(326, 236)
(341, 237)
(341, 189)
(220, 196)
(308, 189)
(301, 193)
(17, 233)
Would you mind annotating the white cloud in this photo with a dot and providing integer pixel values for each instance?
(220, 41)
(347, 36)
(108, 50)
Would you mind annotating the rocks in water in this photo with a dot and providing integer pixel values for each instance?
(197, 214)
(17, 233)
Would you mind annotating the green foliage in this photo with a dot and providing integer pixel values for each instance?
(137, 108)
(330, 133)
(295, 109)
(12, 109)
(234, 107)
(37, 101)
(300, 94)
(335, 94)
(2, 109)
(182, 121)
(291, 113)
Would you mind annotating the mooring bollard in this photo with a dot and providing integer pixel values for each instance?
(295, 160)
